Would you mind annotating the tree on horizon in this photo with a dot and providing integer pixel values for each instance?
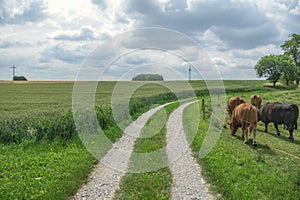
(148, 77)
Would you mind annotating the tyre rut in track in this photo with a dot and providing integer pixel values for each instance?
(106, 175)
(187, 180)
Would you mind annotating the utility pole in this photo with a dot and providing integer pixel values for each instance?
(190, 70)
(14, 70)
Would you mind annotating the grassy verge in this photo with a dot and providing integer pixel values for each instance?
(153, 184)
(239, 171)
(43, 170)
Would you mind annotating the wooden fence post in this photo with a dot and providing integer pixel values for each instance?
(203, 108)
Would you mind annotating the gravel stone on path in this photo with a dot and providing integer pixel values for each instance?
(187, 180)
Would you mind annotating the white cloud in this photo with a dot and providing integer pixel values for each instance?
(84, 33)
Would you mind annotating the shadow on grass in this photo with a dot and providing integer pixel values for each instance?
(281, 136)
(263, 148)
(282, 87)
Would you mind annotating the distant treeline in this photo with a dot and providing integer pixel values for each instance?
(19, 78)
(148, 77)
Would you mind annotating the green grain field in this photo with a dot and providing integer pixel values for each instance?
(40, 151)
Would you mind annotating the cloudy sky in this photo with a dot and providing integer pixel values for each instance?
(54, 39)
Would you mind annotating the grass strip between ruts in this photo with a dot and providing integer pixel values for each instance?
(152, 184)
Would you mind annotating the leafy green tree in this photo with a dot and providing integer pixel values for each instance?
(291, 47)
(288, 68)
(269, 67)
(276, 66)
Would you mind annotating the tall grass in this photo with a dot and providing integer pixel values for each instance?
(62, 126)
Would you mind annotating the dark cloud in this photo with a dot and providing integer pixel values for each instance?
(146, 7)
(100, 4)
(150, 13)
(9, 44)
(58, 52)
(248, 38)
(122, 19)
(136, 60)
(292, 4)
(156, 38)
(199, 16)
(242, 20)
(34, 12)
(227, 13)
(290, 19)
(176, 6)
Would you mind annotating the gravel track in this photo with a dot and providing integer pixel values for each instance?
(106, 175)
(187, 179)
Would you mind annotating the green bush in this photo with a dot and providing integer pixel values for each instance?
(148, 77)
(19, 78)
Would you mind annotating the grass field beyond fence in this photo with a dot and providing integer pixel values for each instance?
(239, 171)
